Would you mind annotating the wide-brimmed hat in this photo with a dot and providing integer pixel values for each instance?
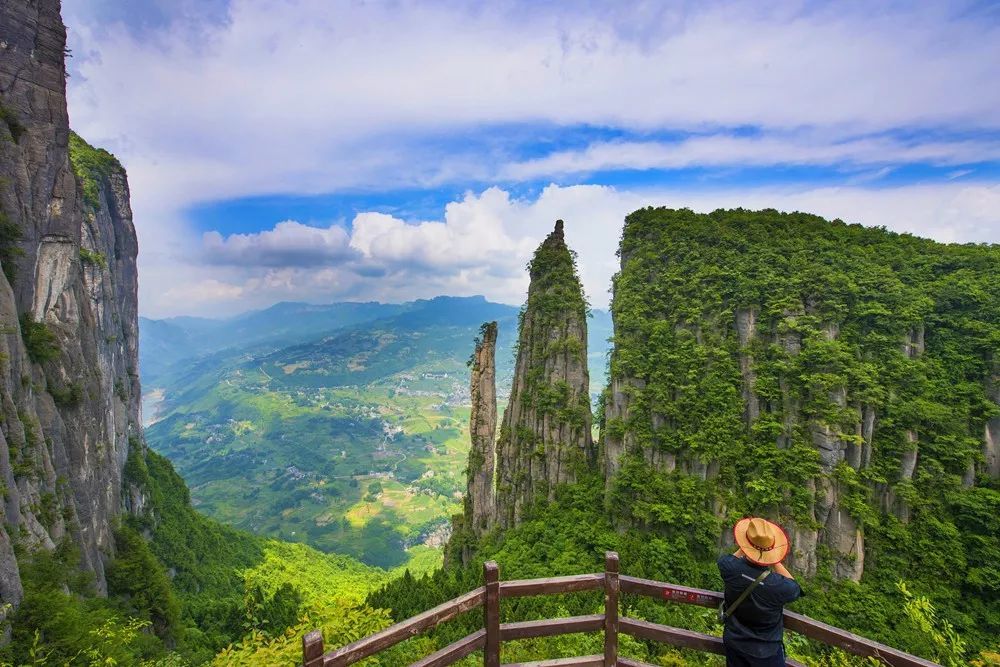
(761, 541)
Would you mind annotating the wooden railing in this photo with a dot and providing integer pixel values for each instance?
(490, 638)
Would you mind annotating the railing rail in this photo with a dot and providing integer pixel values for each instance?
(494, 633)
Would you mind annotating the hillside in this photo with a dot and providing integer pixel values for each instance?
(165, 344)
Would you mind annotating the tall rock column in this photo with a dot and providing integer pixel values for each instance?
(480, 507)
(545, 437)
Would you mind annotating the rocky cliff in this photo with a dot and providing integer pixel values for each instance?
(69, 387)
(480, 505)
(545, 437)
(831, 376)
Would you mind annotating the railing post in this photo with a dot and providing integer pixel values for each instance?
(491, 613)
(610, 609)
(312, 649)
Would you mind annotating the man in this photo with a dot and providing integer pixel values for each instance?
(753, 632)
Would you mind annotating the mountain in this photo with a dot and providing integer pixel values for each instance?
(163, 344)
(841, 380)
(166, 345)
(830, 375)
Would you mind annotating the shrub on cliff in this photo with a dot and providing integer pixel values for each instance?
(39, 340)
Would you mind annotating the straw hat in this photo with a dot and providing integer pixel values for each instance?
(761, 541)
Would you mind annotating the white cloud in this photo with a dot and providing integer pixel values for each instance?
(484, 241)
(473, 233)
(289, 243)
(309, 96)
(730, 151)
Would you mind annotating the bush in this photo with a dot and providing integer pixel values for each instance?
(91, 166)
(60, 620)
(10, 250)
(69, 396)
(14, 126)
(93, 258)
(39, 340)
(140, 580)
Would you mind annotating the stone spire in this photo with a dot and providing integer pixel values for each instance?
(480, 506)
(545, 438)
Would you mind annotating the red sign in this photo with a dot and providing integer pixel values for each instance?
(682, 596)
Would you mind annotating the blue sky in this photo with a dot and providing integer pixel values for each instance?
(324, 151)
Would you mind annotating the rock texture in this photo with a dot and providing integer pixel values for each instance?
(69, 400)
(545, 437)
(480, 500)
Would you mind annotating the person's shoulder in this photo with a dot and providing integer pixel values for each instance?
(727, 562)
(789, 588)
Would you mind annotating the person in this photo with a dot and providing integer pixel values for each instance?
(753, 632)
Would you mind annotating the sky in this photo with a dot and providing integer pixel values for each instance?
(318, 150)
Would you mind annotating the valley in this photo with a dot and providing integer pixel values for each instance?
(354, 442)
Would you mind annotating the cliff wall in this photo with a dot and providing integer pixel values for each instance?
(69, 385)
(833, 377)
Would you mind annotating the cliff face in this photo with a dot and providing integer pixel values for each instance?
(545, 435)
(480, 509)
(830, 376)
(69, 386)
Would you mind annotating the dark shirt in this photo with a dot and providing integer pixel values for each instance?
(756, 627)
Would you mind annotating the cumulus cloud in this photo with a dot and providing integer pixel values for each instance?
(288, 243)
(395, 260)
(474, 232)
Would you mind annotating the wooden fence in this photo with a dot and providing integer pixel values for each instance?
(494, 633)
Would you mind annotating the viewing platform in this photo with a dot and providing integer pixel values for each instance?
(494, 633)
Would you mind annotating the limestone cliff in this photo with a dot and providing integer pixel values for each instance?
(545, 435)
(69, 388)
(480, 508)
(798, 368)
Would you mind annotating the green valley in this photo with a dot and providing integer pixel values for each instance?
(354, 442)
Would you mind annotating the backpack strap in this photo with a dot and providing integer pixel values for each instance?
(745, 594)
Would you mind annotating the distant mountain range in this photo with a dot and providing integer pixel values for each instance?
(174, 344)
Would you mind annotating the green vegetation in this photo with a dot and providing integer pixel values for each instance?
(39, 341)
(68, 396)
(848, 319)
(231, 597)
(571, 535)
(61, 620)
(12, 123)
(10, 248)
(91, 166)
(93, 258)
